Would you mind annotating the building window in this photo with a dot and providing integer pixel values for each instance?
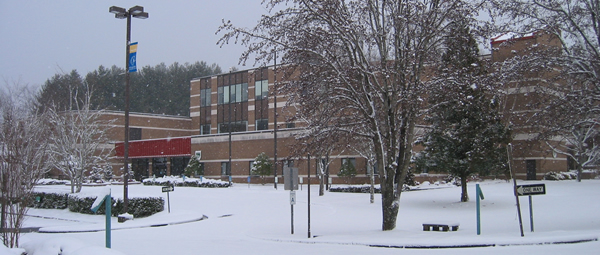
(135, 134)
(372, 168)
(261, 89)
(205, 129)
(225, 169)
(233, 93)
(238, 126)
(262, 124)
(205, 97)
(288, 163)
(352, 161)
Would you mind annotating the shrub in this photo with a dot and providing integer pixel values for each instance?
(355, 189)
(48, 200)
(139, 207)
(189, 182)
(262, 166)
(554, 176)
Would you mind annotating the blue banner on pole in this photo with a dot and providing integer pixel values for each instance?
(132, 57)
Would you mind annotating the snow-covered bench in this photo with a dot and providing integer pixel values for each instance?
(439, 226)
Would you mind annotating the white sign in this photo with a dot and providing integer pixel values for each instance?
(292, 197)
(531, 189)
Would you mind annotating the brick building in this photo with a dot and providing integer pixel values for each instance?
(232, 120)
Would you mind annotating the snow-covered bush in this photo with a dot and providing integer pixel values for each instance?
(51, 182)
(554, 176)
(262, 166)
(141, 207)
(188, 182)
(355, 189)
(138, 206)
(48, 200)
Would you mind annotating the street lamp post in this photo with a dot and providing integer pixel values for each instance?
(120, 13)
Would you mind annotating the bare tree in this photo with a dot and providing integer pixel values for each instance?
(367, 60)
(23, 150)
(570, 81)
(76, 142)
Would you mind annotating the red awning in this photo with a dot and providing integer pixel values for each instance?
(169, 147)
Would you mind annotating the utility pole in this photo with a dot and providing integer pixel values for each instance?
(275, 115)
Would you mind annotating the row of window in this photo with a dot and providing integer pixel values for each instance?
(235, 93)
(240, 126)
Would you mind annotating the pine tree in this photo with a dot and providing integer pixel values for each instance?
(194, 167)
(467, 134)
(347, 169)
(262, 166)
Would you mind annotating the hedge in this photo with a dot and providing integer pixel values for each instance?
(138, 207)
(189, 182)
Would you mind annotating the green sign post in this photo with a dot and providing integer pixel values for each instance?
(479, 195)
(107, 202)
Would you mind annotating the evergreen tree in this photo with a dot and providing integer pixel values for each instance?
(62, 92)
(194, 167)
(347, 169)
(467, 135)
(159, 89)
(262, 166)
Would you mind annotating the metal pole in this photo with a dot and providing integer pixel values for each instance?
(275, 114)
(126, 142)
(292, 208)
(309, 196)
(512, 173)
(108, 205)
(229, 127)
(168, 202)
(477, 191)
(531, 213)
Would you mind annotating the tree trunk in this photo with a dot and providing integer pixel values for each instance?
(3, 212)
(372, 188)
(580, 158)
(389, 204)
(464, 197)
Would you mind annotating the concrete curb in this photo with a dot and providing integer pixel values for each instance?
(42, 230)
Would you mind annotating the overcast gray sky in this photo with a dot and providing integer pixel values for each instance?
(41, 38)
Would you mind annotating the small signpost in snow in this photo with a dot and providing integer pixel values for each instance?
(290, 174)
(104, 197)
(529, 190)
(168, 189)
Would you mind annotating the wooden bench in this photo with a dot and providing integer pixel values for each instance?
(440, 226)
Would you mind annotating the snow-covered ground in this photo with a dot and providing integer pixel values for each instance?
(256, 219)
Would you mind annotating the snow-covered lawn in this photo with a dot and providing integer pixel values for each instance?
(256, 219)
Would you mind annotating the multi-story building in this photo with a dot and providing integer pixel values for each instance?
(236, 116)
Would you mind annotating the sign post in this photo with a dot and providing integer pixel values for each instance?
(106, 199)
(290, 174)
(512, 174)
(479, 195)
(168, 189)
(529, 190)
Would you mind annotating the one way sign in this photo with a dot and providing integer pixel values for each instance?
(531, 189)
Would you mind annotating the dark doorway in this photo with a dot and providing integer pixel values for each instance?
(178, 165)
(531, 169)
(139, 166)
(159, 167)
